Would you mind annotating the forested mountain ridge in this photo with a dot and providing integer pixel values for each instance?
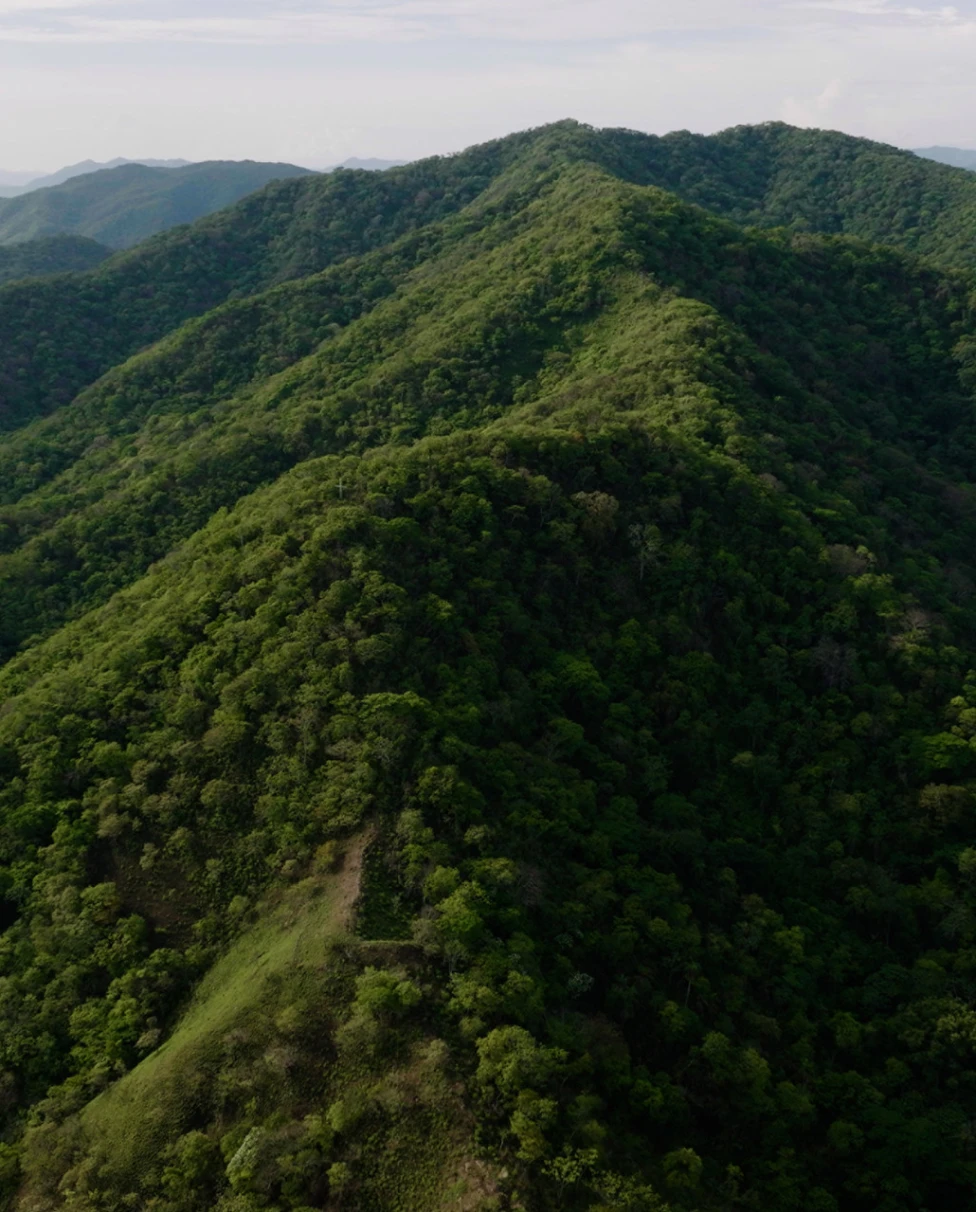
(213, 413)
(499, 728)
(124, 205)
(776, 175)
(71, 333)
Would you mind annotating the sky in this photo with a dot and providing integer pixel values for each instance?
(315, 81)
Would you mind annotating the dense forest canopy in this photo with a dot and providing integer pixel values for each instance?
(488, 680)
(50, 255)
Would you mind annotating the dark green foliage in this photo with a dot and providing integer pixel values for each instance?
(50, 255)
(599, 576)
(121, 206)
(385, 909)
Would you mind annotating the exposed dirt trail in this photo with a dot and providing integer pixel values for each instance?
(348, 880)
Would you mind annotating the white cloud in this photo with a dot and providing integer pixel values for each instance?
(883, 10)
(280, 29)
(815, 111)
(316, 80)
(50, 8)
(532, 21)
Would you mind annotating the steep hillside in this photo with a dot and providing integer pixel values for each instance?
(498, 726)
(122, 206)
(50, 255)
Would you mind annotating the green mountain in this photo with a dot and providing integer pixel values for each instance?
(489, 694)
(50, 255)
(12, 185)
(84, 167)
(122, 206)
(772, 175)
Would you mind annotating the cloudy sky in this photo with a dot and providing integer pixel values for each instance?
(314, 81)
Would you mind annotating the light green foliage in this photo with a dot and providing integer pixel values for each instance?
(510, 1059)
(384, 994)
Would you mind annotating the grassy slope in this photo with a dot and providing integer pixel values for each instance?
(273, 984)
(296, 933)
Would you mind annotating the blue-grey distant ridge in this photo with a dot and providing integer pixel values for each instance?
(957, 157)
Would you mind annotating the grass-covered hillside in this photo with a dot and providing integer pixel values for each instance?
(488, 702)
(121, 206)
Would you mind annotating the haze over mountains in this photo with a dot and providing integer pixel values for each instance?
(958, 157)
(15, 184)
(12, 188)
(77, 217)
(16, 179)
(489, 716)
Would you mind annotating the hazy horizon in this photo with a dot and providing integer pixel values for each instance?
(317, 82)
(11, 176)
(20, 176)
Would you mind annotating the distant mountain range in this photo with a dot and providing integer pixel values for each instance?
(13, 180)
(13, 184)
(119, 207)
(78, 216)
(957, 157)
